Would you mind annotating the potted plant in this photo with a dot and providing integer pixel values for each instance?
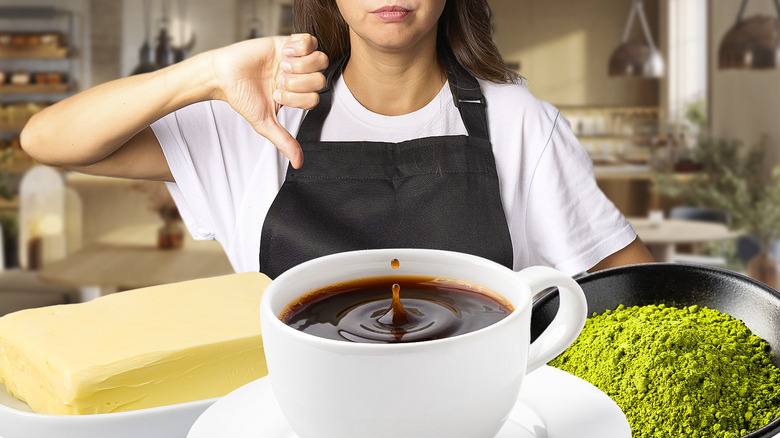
(6, 187)
(733, 178)
(159, 200)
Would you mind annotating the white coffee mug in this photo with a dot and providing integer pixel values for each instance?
(458, 387)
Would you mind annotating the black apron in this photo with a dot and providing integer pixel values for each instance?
(434, 192)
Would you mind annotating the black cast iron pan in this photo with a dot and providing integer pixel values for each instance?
(755, 303)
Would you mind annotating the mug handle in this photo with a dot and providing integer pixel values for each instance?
(568, 322)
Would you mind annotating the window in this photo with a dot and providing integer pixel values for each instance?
(687, 59)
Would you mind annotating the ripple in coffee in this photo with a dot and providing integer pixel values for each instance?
(395, 309)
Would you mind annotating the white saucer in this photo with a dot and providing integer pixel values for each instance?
(563, 406)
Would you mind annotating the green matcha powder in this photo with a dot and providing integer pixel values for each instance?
(678, 372)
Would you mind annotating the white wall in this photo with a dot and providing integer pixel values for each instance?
(686, 54)
(565, 45)
(744, 105)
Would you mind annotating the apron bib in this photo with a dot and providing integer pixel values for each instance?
(433, 192)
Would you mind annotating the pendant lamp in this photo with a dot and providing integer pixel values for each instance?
(636, 58)
(146, 63)
(752, 43)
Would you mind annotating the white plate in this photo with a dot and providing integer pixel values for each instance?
(17, 420)
(552, 404)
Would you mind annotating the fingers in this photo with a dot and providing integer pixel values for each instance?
(299, 90)
(298, 79)
(305, 101)
(307, 63)
(300, 44)
(301, 82)
(300, 76)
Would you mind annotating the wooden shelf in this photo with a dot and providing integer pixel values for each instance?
(21, 167)
(33, 52)
(34, 89)
(9, 204)
(11, 127)
(19, 163)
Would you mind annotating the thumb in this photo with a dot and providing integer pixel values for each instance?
(289, 146)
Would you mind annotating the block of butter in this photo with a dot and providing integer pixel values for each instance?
(137, 349)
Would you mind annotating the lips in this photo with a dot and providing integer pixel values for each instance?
(391, 13)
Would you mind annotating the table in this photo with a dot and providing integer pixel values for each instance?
(661, 237)
(129, 259)
(630, 186)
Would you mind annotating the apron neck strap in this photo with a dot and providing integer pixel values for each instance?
(466, 94)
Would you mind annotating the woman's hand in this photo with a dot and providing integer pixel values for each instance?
(257, 76)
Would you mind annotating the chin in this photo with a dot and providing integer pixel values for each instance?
(400, 41)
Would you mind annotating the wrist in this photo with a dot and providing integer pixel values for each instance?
(189, 81)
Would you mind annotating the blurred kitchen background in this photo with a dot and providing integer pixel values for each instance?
(676, 101)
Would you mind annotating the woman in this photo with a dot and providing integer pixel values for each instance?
(419, 138)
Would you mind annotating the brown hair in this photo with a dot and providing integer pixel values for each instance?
(465, 26)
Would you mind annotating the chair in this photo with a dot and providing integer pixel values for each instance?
(700, 214)
(747, 248)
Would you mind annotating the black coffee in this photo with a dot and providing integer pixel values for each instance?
(423, 309)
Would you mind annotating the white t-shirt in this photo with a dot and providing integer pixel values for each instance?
(227, 175)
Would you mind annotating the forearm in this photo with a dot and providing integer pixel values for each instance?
(634, 253)
(90, 126)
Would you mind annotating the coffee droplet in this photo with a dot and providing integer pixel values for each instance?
(395, 263)
(396, 315)
(399, 313)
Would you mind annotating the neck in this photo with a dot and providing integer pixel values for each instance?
(394, 83)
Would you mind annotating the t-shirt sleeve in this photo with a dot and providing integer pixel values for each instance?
(212, 152)
(571, 224)
(187, 191)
